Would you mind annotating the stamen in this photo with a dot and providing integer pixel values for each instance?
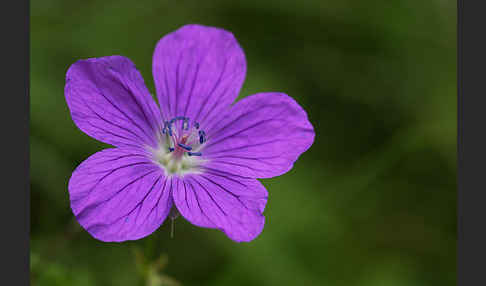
(166, 124)
(178, 118)
(188, 148)
(202, 136)
(169, 127)
(181, 135)
(185, 124)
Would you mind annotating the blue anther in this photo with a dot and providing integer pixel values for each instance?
(202, 136)
(196, 125)
(171, 149)
(185, 124)
(169, 127)
(194, 153)
(188, 148)
(177, 118)
(166, 124)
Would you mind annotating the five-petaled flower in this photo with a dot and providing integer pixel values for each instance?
(194, 153)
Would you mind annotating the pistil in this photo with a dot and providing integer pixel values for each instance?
(181, 144)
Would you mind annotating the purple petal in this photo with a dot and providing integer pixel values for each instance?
(261, 137)
(109, 101)
(218, 200)
(198, 72)
(119, 194)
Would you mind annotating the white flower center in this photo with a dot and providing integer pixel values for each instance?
(179, 151)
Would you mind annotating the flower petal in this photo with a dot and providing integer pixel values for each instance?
(260, 137)
(119, 194)
(218, 200)
(109, 101)
(198, 71)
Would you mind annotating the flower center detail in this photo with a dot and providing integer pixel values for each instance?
(180, 145)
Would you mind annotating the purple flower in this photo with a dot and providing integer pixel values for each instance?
(195, 153)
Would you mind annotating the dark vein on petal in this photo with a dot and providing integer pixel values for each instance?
(102, 178)
(128, 90)
(109, 122)
(118, 168)
(138, 206)
(227, 191)
(244, 158)
(303, 130)
(115, 135)
(158, 199)
(199, 205)
(162, 193)
(196, 74)
(167, 90)
(216, 85)
(240, 165)
(229, 178)
(116, 158)
(143, 200)
(211, 197)
(243, 130)
(80, 214)
(125, 156)
(149, 122)
(233, 218)
(254, 159)
(222, 93)
(177, 82)
(224, 189)
(136, 73)
(208, 152)
(122, 112)
(185, 195)
(241, 116)
(148, 102)
(215, 171)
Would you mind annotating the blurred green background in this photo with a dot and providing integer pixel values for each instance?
(373, 202)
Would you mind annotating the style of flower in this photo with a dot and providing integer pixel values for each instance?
(194, 153)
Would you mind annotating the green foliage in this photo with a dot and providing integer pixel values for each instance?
(151, 272)
(373, 202)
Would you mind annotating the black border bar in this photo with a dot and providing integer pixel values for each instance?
(471, 149)
(14, 118)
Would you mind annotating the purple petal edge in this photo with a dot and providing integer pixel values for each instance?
(119, 194)
(216, 200)
(108, 100)
(261, 136)
(198, 72)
